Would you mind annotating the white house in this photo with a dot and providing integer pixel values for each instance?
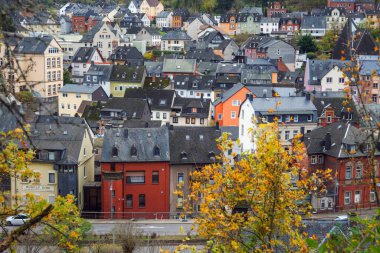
(246, 125)
(134, 6)
(269, 25)
(334, 80)
(82, 61)
(335, 18)
(144, 18)
(164, 19)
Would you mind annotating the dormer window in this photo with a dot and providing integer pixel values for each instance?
(115, 151)
(133, 150)
(162, 101)
(211, 155)
(351, 148)
(183, 155)
(134, 75)
(123, 75)
(156, 151)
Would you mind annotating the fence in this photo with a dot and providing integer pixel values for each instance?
(139, 215)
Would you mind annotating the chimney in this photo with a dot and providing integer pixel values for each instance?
(251, 97)
(217, 126)
(308, 96)
(327, 141)
(171, 127)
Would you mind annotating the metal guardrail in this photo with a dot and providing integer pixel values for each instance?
(139, 215)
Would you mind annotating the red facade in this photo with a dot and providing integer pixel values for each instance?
(134, 196)
(348, 5)
(276, 7)
(79, 24)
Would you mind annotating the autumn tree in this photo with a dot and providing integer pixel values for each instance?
(327, 44)
(251, 205)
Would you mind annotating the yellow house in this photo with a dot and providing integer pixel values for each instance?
(71, 96)
(373, 19)
(64, 159)
(151, 8)
(40, 70)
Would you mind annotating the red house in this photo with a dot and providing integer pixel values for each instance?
(349, 5)
(275, 8)
(135, 173)
(290, 24)
(83, 21)
(344, 149)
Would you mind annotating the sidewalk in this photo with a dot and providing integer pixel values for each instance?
(152, 221)
(332, 215)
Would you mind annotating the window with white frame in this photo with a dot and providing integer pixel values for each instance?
(329, 79)
(233, 115)
(235, 102)
(341, 80)
(287, 118)
(372, 196)
(313, 159)
(287, 135)
(359, 170)
(348, 172)
(357, 197)
(320, 159)
(295, 119)
(347, 198)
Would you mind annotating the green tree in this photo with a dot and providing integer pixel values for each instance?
(67, 77)
(209, 5)
(307, 44)
(326, 44)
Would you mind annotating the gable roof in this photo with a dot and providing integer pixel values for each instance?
(313, 22)
(153, 3)
(157, 99)
(206, 54)
(125, 53)
(33, 45)
(134, 107)
(179, 65)
(84, 54)
(193, 145)
(163, 14)
(319, 68)
(143, 139)
(89, 36)
(288, 105)
(182, 82)
(187, 104)
(124, 73)
(340, 133)
(176, 35)
(153, 67)
(78, 88)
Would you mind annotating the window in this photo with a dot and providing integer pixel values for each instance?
(329, 79)
(75, 106)
(347, 198)
(201, 121)
(135, 177)
(193, 121)
(372, 196)
(233, 115)
(142, 200)
(164, 115)
(220, 116)
(359, 170)
(84, 171)
(84, 151)
(113, 193)
(51, 178)
(313, 159)
(348, 171)
(51, 156)
(295, 118)
(357, 197)
(194, 110)
(58, 62)
(309, 118)
(341, 80)
(129, 199)
(58, 75)
(287, 135)
(235, 102)
(175, 119)
(180, 177)
(155, 177)
(77, 95)
(49, 76)
(279, 118)
(287, 118)
(63, 106)
(53, 62)
(187, 120)
(157, 115)
(295, 132)
(375, 85)
(53, 75)
(320, 159)
(48, 62)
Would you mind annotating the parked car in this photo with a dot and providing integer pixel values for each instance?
(341, 218)
(17, 220)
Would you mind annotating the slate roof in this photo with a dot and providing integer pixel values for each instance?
(203, 55)
(123, 73)
(319, 68)
(313, 22)
(208, 68)
(135, 123)
(89, 36)
(9, 116)
(248, 9)
(33, 45)
(233, 130)
(59, 133)
(225, 43)
(242, 17)
(193, 82)
(367, 67)
(84, 54)
(103, 72)
(296, 105)
(152, 31)
(341, 133)
(125, 53)
(179, 65)
(176, 35)
(134, 107)
(78, 88)
(352, 39)
(269, 20)
(153, 3)
(186, 105)
(143, 139)
(229, 68)
(193, 145)
(337, 103)
(153, 68)
(157, 99)
(163, 14)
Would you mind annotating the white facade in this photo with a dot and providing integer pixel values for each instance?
(333, 80)
(164, 116)
(246, 125)
(164, 22)
(268, 26)
(336, 21)
(81, 68)
(145, 20)
(62, 11)
(196, 94)
(133, 8)
(69, 44)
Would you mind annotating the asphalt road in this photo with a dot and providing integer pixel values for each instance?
(146, 228)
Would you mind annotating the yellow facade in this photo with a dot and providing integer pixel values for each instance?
(68, 103)
(151, 11)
